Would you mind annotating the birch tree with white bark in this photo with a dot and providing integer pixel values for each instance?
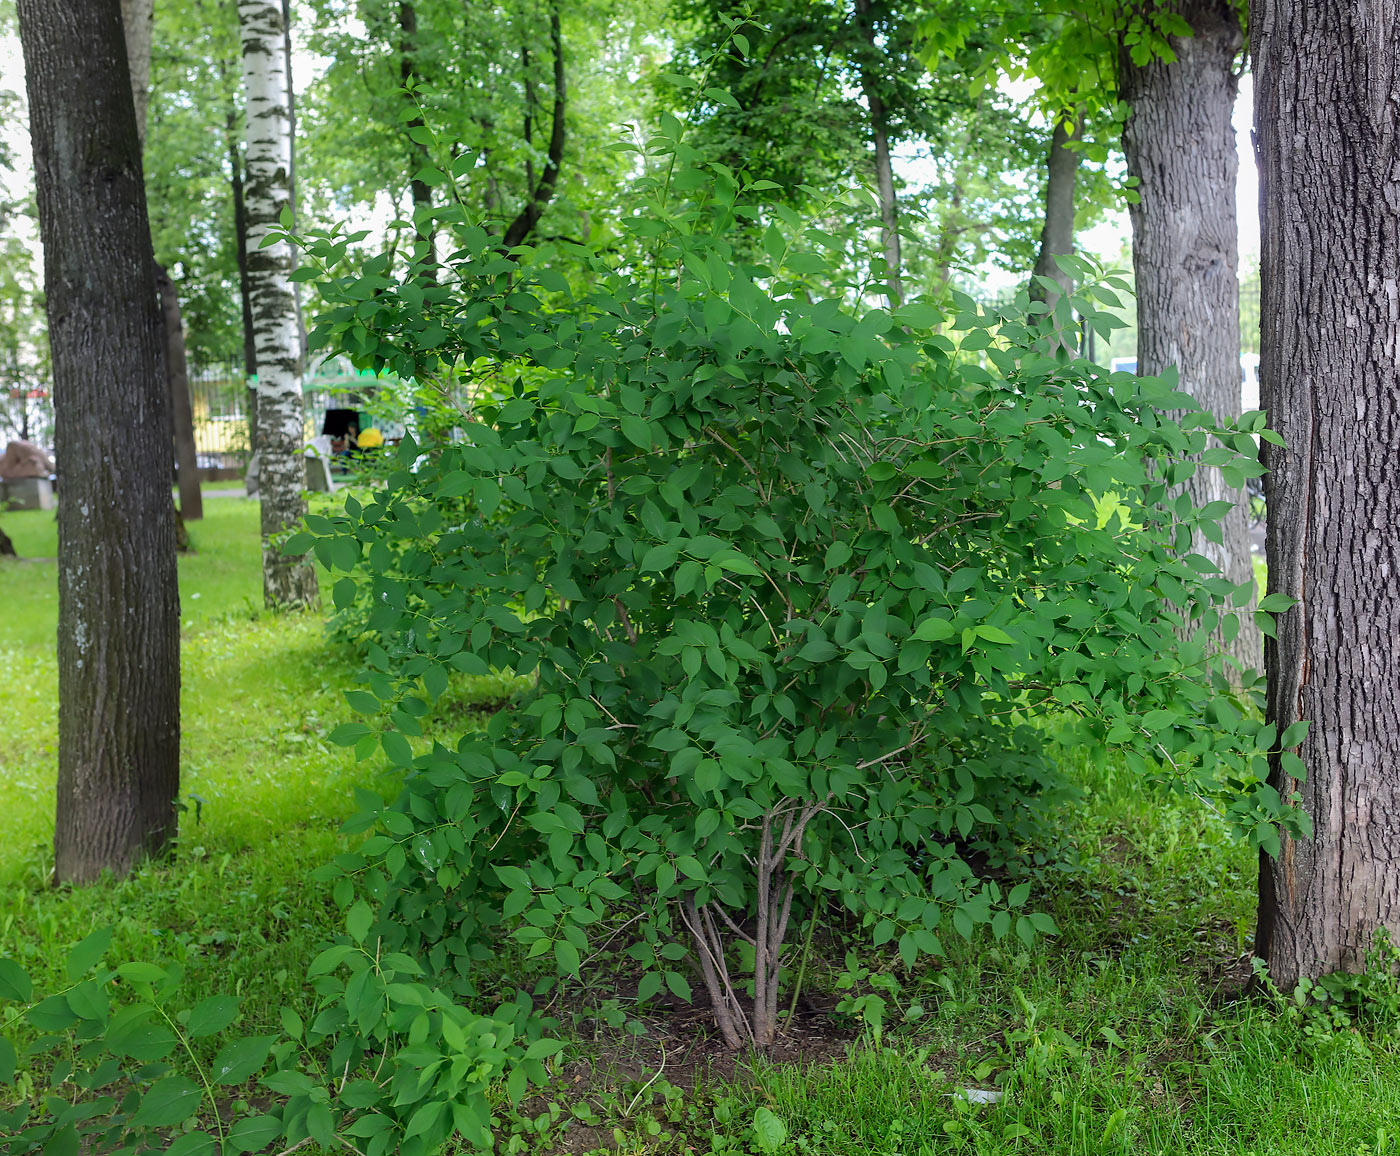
(287, 581)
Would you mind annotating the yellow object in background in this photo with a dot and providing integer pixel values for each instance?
(370, 439)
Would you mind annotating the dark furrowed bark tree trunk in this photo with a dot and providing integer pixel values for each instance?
(118, 622)
(181, 408)
(137, 23)
(538, 197)
(1180, 144)
(884, 170)
(1057, 234)
(1327, 90)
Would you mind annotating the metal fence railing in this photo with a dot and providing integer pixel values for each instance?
(220, 399)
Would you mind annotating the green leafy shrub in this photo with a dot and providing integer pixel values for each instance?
(794, 582)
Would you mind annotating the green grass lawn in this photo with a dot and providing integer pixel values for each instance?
(264, 792)
(1122, 1035)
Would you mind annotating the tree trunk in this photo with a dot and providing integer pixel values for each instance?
(418, 158)
(181, 409)
(138, 17)
(1327, 89)
(539, 196)
(287, 581)
(245, 293)
(1057, 235)
(1180, 145)
(884, 171)
(119, 611)
(302, 344)
(138, 25)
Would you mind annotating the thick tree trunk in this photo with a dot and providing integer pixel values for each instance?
(884, 170)
(181, 408)
(1180, 145)
(1057, 234)
(287, 581)
(1326, 93)
(119, 612)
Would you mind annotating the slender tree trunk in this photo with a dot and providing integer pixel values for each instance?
(245, 293)
(181, 409)
(287, 581)
(138, 27)
(884, 171)
(138, 19)
(1057, 235)
(418, 158)
(1327, 90)
(1180, 145)
(539, 196)
(292, 201)
(119, 611)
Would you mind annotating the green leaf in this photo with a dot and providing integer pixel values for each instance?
(636, 431)
(240, 1060)
(8, 1059)
(934, 630)
(396, 748)
(14, 982)
(211, 1016)
(88, 954)
(769, 1130)
(193, 1144)
(168, 1102)
(63, 1142)
(995, 634)
(358, 920)
(253, 1133)
(1277, 603)
(679, 985)
(52, 1014)
(566, 956)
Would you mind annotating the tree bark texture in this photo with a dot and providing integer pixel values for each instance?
(418, 158)
(1180, 145)
(245, 298)
(181, 406)
(138, 18)
(1057, 234)
(292, 202)
(1327, 115)
(884, 170)
(138, 26)
(119, 612)
(287, 581)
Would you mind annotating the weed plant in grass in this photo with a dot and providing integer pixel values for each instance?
(264, 795)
